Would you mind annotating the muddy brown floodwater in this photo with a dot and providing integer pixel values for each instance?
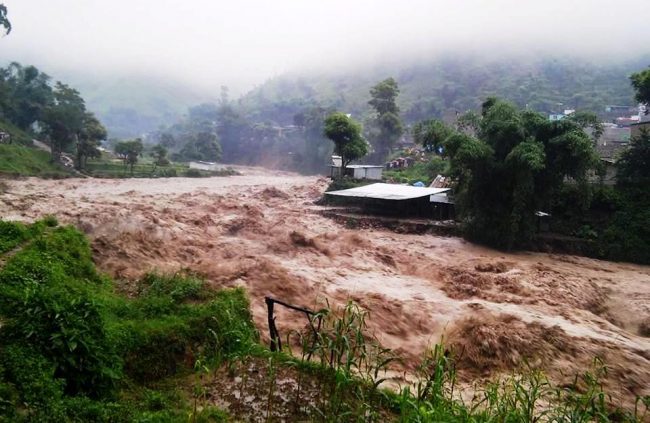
(261, 230)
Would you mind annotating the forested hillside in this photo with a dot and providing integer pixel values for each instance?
(455, 82)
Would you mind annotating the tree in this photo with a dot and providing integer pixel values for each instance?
(4, 20)
(513, 168)
(64, 119)
(129, 151)
(431, 134)
(589, 121)
(159, 154)
(89, 140)
(26, 94)
(386, 127)
(346, 135)
(384, 96)
(641, 85)
(634, 163)
(201, 146)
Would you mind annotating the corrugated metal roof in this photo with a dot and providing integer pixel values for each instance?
(388, 192)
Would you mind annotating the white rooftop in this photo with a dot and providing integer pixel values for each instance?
(388, 192)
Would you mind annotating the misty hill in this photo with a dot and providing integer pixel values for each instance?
(132, 105)
(451, 84)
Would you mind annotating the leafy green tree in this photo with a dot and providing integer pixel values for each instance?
(589, 121)
(345, 133)
(512, 168)
(201, 146)
(89, 140)
(634, 163)
(64, 119)
(386, 127)
(431, 134)
(25, 94)
(4, 20)
(129, 151)
(641, 85)
(159, 154)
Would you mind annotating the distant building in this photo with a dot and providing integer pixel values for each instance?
(209, 166)
(556, 117)
(614, 134)
(372, 172)
(636, 128)
(627, 121)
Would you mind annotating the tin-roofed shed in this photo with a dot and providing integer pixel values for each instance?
(402, 200)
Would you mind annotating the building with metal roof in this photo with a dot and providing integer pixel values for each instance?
(402, 200)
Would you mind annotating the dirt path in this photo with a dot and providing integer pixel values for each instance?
(260, 231)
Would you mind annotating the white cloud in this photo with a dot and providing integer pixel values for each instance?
(243, 42)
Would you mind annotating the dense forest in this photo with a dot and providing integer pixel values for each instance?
(453, 83)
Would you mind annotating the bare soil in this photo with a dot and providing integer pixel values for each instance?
(261, 230)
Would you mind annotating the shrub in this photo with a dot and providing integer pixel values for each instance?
(193, 173)
(11, 234)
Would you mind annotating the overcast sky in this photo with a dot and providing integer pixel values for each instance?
(243, 42)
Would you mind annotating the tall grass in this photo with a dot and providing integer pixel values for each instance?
(353, 365)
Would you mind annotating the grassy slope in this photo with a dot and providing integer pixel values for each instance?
(18, 160)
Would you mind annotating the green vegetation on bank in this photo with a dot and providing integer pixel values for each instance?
(18, 160)
(72, 349)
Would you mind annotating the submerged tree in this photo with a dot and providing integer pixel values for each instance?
(345, 133)
(512, 168)
(386, 127)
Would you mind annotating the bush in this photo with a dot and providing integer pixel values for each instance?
(49, 298)
(193, 173)
(11, 234)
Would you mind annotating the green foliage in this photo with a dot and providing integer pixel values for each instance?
(11, 235)
(64, 118)
(386, 126)
(345, 133)
(514, 166)
(200, 146)
(431, 134)
(67, 342)
(425, 171)
(634, 164)
(16, 160)
(641, 85)
(129, 151)
(25, 94)
(48, 300)
(89, 140)
(159, 153)
(16, 135)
